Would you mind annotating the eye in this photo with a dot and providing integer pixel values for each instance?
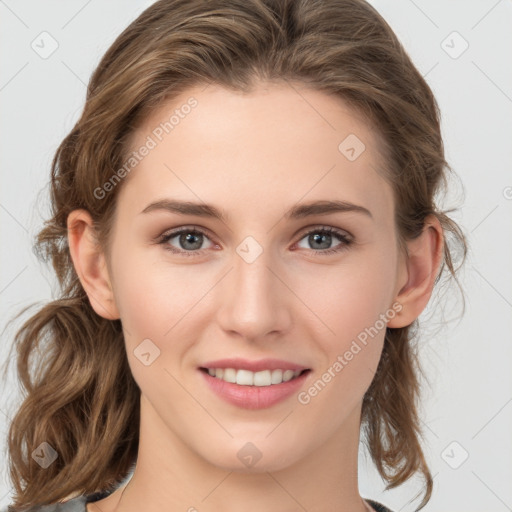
(189, 241)
(322, 238)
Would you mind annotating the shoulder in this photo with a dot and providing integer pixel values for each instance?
(73, 505)
(378, 507)
(77, 504)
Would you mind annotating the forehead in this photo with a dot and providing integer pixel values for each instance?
(280, 142)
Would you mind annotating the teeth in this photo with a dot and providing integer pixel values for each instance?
(248, 378)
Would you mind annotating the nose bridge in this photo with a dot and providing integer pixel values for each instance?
(254, 304)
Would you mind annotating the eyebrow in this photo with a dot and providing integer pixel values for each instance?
(297, 212)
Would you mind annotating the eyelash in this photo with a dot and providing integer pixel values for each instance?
(346, 241)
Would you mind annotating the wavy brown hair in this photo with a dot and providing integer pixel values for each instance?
(80, 396)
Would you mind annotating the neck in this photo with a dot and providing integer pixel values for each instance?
(170, 475)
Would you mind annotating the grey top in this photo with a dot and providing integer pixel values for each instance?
(78, 504)
(73, 505)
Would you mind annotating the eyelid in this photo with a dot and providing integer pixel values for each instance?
(188, 227)
(323, 227)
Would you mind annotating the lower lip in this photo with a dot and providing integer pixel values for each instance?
(254, 397)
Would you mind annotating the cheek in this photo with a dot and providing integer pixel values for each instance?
(351, 306)
(352, 301)
(158, 303)
(152, 295)
(350, 298)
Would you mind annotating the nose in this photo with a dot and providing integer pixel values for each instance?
(255, 302)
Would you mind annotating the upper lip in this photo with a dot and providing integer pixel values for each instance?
(254, 366)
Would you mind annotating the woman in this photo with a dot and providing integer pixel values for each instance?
(245, 231)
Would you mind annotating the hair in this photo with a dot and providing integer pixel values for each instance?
(80, 395)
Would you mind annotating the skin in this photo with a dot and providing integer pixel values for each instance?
(254, 156)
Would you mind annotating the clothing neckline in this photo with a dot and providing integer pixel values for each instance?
(368, 506)
(91, 498)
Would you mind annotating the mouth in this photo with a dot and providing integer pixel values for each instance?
(254, 390)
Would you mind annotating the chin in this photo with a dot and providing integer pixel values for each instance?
(253, 457)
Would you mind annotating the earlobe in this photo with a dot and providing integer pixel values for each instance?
(421, 268)
(90, 264)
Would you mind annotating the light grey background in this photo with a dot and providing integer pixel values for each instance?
(467, 410)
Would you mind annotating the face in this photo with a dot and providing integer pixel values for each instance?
(269, 279)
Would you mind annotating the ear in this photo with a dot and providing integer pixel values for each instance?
(90, 264)
(418, 272)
